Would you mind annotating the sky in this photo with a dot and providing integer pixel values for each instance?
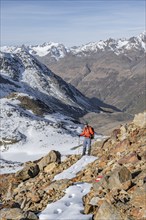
(71, 22)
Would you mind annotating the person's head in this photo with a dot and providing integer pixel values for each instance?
(86, 124)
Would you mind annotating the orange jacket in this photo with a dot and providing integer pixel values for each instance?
(87, 132)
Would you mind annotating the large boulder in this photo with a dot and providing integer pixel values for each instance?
(132, 158)
(120, 178)
(108, 211)
(30, 170)
(52, 156)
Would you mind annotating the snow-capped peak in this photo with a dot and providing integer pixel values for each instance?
(57, 51)
(118, 46)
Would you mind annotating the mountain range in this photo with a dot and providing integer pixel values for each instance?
(110, 76)
(111, 71)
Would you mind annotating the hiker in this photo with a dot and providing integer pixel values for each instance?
(88, 133)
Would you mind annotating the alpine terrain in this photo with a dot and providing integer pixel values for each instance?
(110, 72)
(45, 174)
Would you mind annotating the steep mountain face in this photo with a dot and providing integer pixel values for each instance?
(24, 73)
(111, 71)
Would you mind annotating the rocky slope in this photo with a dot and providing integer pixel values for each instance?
(117, 176)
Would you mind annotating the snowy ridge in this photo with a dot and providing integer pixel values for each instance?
(58, 51)
(34, 77)
(55, 50)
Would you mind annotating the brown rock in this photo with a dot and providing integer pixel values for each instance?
(108, 211)
(33, 196)
(139, 197)
(121, 147)
(102, 183)
(102, 164)
(29, 171)
(12, 213)
(88, 209)
(132, 158)
(96, 201)
(119, 177)
(115, 133)
(52, 156)
(8, 182)
(50, 167)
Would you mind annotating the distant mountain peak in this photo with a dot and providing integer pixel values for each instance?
(57, 51)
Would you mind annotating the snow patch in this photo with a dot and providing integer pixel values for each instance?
(70, 206)
(75, 168)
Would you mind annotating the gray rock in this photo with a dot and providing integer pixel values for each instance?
(29, 171)
(32, 216)
(12, 213)
(120, 176)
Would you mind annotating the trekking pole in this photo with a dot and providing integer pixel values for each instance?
(78, 144)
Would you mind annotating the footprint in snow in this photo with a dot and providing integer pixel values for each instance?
(83, 190)
(68, 203)
(57, 211)
(71, 196)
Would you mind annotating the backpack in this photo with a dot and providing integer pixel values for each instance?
(91, 132)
